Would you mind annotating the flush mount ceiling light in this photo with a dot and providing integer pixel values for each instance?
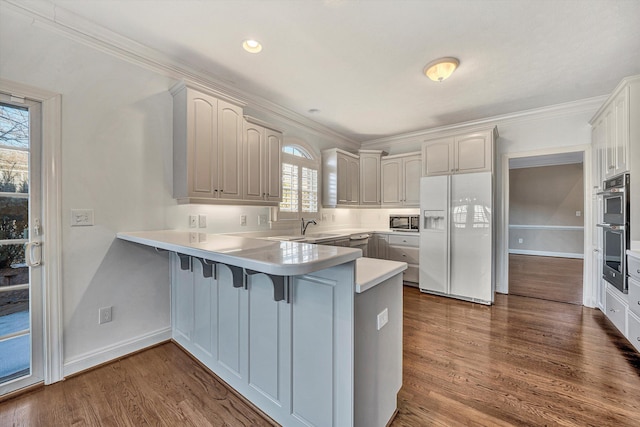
(252, 46)
(441, 69)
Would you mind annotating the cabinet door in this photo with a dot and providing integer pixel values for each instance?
(369, 179)
(608, 127)
(353, 181)
(621, 131)
(412, 168)
(473, 153)
(229, 151)
(202, 131)
(253, 161)
(438, 157)
(343, 184)
(273, 165)
(391, 173)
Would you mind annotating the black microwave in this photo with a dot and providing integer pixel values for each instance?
(404, 222)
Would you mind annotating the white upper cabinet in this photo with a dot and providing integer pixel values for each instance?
(207, 147)
(341, 178)
(262, 162)
(611, 132)
(401, 180)
(370, 177)
(460, 153)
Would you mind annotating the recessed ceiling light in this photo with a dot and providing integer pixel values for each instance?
(441, 69)
(252, 46)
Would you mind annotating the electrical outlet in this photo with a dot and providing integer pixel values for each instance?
(193, 221)
(81, 217)
(333, 217)
(202, 221)
(383, 318)
(578, 213)
(262, 219)
(324, 217)
(243, 220)
(520, 240)
(104, 315)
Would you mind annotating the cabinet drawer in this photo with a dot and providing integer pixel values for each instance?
(397, 240)
(411, 274)
(634, 296)
(634, 331)
(616, 311)
(634, 267)
(403, 254)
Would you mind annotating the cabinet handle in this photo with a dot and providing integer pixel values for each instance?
(596, 250)
(638, 302)
(613, 310)
(638, 271)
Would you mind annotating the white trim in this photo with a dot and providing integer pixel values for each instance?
(502, 285)
(115, 351)
(57, 19)
(51, 207)
(547, 253)
(546, 227)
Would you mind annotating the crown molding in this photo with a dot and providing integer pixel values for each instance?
(552, 111)
(59, 20)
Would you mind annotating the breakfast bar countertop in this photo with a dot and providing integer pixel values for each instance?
(279, 258)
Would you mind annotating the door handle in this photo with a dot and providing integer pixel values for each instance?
(29, 250)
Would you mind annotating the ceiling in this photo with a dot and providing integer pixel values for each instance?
(360, 62)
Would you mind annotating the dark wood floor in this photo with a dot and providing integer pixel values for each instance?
(523, 361)
(550, 278)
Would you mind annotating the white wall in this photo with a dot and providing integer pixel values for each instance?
(116, 129)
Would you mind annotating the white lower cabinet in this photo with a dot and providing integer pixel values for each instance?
(616, 310)
(633, 335)
(406, 249)
(292, 360)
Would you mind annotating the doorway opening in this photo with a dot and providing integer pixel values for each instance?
(546, 227)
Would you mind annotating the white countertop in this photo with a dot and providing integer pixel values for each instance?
(272, 257)
(372, 271)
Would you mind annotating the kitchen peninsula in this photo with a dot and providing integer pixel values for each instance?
(293, 327)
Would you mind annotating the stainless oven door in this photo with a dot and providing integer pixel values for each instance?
(614, 268)
(615, 207)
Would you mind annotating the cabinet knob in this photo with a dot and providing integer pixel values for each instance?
(638, 271)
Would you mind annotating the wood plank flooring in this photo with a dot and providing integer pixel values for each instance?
(550, 278)
(523, 361)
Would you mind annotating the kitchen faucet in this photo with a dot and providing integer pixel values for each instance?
(305, 224)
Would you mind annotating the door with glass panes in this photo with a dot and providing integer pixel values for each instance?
(21, 349)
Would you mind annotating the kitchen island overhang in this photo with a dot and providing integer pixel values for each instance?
(291, 353)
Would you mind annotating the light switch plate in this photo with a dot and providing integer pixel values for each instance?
(81, 217)
(202, 221)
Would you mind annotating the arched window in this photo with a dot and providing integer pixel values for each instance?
(299, 182)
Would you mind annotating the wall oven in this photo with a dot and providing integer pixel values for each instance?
(404, 223)
(615, 228)
(615, 199)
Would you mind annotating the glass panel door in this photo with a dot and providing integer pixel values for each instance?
(20, 278)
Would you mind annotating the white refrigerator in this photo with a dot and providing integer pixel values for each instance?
(456, 236)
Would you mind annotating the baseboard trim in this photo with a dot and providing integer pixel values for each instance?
(118, 350)
(545, 253)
